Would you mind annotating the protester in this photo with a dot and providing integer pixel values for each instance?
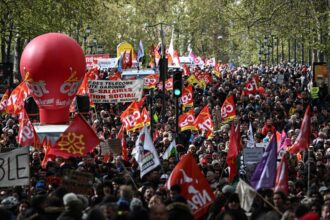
(118, 191)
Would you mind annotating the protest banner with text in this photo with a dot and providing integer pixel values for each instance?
(105, 91)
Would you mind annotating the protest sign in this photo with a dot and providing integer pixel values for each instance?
(252, 155)
(78, 182)
(105, 63)
(105, 91)
(111, 145)
(92, 60)
(15, 168)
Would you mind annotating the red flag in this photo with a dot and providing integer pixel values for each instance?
(46, 144)
(115, 76)
(186, 121)
(238, 137)
(155, 136)
(146, 116)
(124, 151)
(186, 71)
(194, 186)
(232, 154)
(76, 141)
(187, 97)
(121, 132)
(228, 109)
(4, 100)
(131, 117)
(150, 81)
(141, 102)
(16, 99)
(251, 87)
(204, 121)
(304, 137)
(127, 60)
(169, 84)
(282, 176)
(26, 133)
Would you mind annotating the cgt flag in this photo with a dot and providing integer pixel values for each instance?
(204, 121)
(76, 141)
(194, 186)
(15, 103)
(26, 133)
(4, 100)
(145, 153)
(228, 109)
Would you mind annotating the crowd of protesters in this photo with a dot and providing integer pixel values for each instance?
(114, 195)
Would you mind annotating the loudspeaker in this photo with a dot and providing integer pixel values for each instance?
(82, 103)
(31, 106)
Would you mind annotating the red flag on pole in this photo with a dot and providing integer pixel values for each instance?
(16, 99)
(4, 100)
(282, 176)
(26, 133)
(304, 137)
(194, 186)
(232, 154)
(76, 141)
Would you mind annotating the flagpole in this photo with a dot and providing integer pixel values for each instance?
(308, 171)
(265, 200)
(125, 169)
(269, 203)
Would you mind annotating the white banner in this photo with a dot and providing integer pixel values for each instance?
(105, 63)
(106, 91)
(15, 168)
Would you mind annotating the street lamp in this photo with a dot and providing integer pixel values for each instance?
(163, 61)
(86, 34)
(220, 37)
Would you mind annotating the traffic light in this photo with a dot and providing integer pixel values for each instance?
(177, 83)
(163, 68)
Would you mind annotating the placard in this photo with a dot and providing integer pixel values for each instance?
(78, 182)
(119, 91)
(15, 168)
(252, 155)
(105, 63)
(111, 145)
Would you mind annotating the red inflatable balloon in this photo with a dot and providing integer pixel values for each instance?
(52, 65)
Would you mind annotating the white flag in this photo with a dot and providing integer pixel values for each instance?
(145, 153)
(250, 142)
(246, 194)
(170, 151)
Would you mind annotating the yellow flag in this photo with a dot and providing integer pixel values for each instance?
(192, 80)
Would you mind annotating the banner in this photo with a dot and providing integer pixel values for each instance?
(78, 182)
(194, 186)
(92, 60)
(145, 153)
(15, 168)
(105, 63)
(105, 91)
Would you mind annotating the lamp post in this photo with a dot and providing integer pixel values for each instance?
(220, 37)
(163, 62)
(86, 34)
(95, 45)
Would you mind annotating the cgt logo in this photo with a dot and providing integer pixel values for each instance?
(150, 81)
(185, 99)
(227, 109)
(26, 133)
(252, 85)
(205, 125)
(130, 120)
(189, 119)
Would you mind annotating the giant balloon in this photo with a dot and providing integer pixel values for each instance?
(52, 65)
